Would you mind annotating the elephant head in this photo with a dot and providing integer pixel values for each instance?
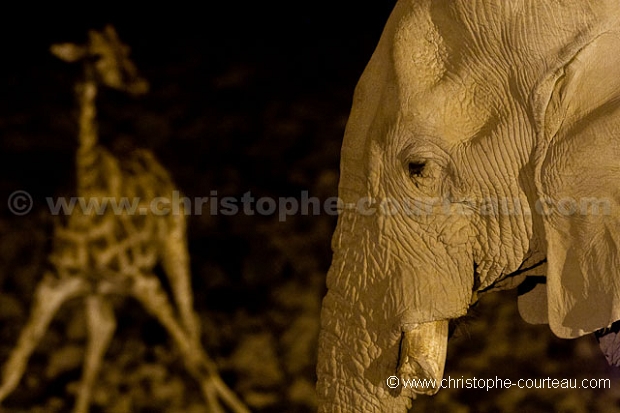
(482, 152)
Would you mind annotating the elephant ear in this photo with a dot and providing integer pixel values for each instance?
(578, 179)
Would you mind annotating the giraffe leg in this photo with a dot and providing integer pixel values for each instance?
(149, 292)
(101, 325)
(175, 261)
(49, 296)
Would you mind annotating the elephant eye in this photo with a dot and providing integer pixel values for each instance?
(416, 169)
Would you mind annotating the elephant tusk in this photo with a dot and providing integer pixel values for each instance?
(423, 356)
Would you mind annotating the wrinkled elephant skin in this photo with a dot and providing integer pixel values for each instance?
(481, 153)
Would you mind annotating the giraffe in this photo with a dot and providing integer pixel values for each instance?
(99, 252)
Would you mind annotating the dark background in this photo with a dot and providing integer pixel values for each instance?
(245, 96)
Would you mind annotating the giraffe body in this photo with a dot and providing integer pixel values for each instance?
(113, 239)
(117, 235)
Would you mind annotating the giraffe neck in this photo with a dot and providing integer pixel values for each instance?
(89, 162)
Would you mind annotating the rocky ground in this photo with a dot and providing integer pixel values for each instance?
(245, 98)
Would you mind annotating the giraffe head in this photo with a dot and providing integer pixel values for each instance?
(106, 59)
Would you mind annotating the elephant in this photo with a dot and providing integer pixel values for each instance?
(482, 153)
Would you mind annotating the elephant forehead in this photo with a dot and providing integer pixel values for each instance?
(452, 68)
(521, 32)
(485, 41)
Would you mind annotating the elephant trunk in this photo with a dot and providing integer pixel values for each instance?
(370, 358)
(343, 384)
(384, 320)
(360, 377)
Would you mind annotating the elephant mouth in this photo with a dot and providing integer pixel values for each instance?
(422, 357)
